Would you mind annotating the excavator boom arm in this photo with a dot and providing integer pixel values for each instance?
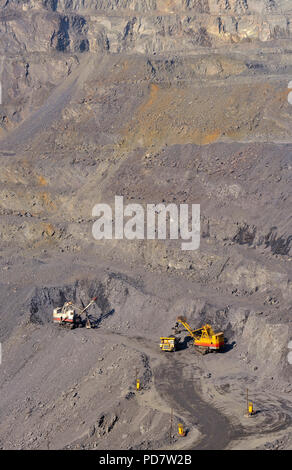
(90, 303)
(185, 324)
(206, 330)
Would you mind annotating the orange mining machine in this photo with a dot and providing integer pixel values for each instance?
(205, 339)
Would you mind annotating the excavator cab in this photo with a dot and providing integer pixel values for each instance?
(64, 315)
(208, 339)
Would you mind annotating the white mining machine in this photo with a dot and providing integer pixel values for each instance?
(72, 316)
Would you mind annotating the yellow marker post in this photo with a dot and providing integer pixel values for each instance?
(250, 408)
(138, 384)
(181, 431)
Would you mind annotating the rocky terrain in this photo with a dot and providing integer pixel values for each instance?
(158, 101)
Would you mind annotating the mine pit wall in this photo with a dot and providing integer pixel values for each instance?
(149, 26)
(266, 344)
(131, 27)
(39, 307)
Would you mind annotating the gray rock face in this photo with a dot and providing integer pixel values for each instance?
(32, 31)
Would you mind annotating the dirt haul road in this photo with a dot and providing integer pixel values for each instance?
(182, 396)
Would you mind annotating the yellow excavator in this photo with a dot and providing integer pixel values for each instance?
(205, 339)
